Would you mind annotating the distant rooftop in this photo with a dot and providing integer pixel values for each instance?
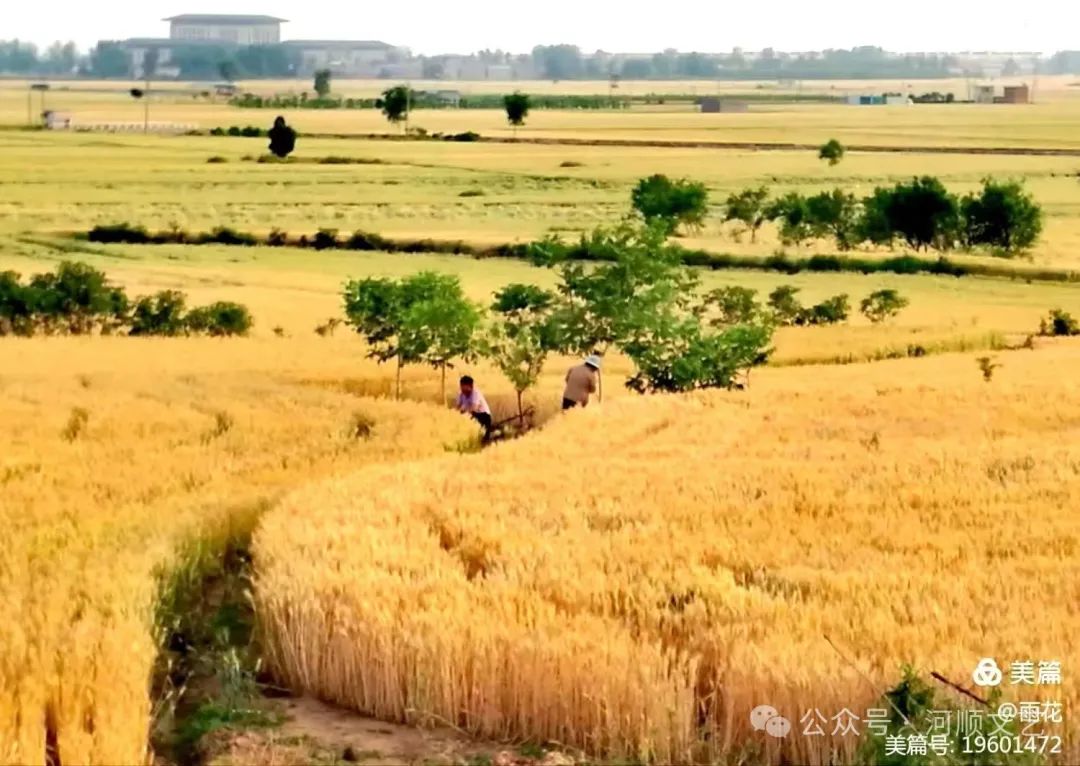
(352, 44)
(221, 18)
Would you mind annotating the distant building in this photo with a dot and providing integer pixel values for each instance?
(1015, 94)
(1012, 94)
(239, 30)
(345, 57)
(713, 105)
(57, 120)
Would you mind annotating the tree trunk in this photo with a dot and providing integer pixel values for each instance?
(521, 410)
(599, 387)
(443, 367)
(397, 394)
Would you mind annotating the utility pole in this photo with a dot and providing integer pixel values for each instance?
(146, 105)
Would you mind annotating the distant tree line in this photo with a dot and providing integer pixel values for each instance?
(110, 58)
(567, 62)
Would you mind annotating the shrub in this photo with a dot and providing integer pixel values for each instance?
(1059, 323)
(159, 314)
(234, 130)
(833, 151)
(472, 193)
(325, 239)
(277, 238)
(466, 137)
(362, 240)
(785, 306)
(224, 235)
(671, 203)
(882, 304)
(217, 159)
(217, 131)
(250, 131)
(119, 233)
(221, 319)
(830, 311)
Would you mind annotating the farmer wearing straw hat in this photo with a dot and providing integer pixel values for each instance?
(581, 381)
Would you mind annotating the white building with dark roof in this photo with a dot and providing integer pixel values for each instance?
(345, 57)
(226, 28)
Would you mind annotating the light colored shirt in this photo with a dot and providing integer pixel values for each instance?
(475, 402)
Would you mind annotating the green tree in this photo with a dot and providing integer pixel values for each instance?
(731, 305)
(784, 304)
(874, 224)
(395, 103)
(882, 304)
(748, 207)
(834, 214)
(439, 323)
(682, 356)
(77, 299)
(833, 151)
(18, 306)
(517, 108)
(282, 138)
(923, 213)
(608, 302)
(1002, 216)
(424, 318)
(674, 204)
(523, 336)
(793, 218)
(322, 82)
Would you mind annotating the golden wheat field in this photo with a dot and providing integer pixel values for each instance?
(628, 581)
(124, 465)
(637, 578)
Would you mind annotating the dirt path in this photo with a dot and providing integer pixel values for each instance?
(323, 735)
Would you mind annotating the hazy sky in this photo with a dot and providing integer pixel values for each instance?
(434, 26)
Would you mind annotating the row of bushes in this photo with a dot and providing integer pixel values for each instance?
(247, 131)
(921, 213)
(736, 304)
(584, 249)
(77, 299)
(427, 100)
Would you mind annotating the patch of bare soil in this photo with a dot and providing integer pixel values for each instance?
(319, 734)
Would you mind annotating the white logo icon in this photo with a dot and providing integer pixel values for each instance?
(987, 673)
(768, 719)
